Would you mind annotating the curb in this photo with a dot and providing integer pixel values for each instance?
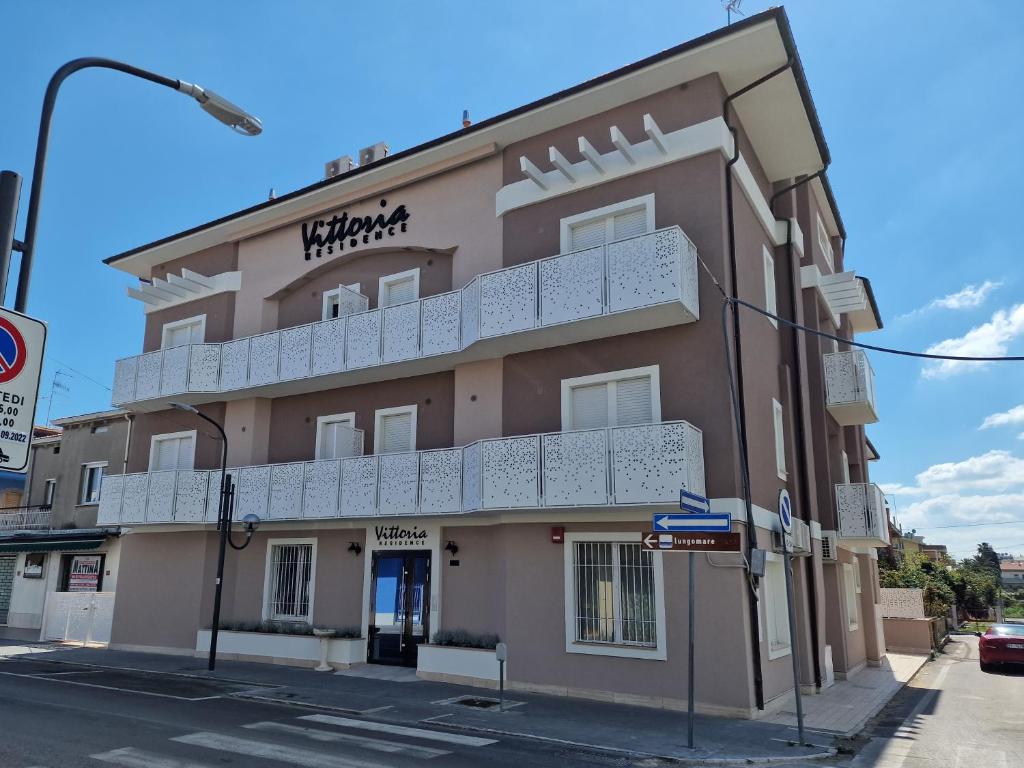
(638, 755)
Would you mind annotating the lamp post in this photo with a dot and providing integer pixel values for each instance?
(250, 523)
(215, 105)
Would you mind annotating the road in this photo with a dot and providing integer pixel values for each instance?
(950, 715)
(68, 716)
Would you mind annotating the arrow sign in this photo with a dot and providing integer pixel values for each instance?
(691, 502)
(694, 522)
(691, 542)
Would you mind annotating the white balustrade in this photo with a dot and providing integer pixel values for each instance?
(626, 275)
(861, 514)
(632, 465)
(850, 387)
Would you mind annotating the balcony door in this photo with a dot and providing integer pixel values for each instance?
(399, 607)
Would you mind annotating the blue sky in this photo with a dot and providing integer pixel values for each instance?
(915, 98)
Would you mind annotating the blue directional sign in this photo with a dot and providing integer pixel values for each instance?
(700, 522)
(691, 502)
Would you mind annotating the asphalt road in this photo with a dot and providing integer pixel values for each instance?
(67, 715)
(950, 715)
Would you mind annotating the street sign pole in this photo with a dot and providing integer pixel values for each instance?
(690, 642)
(786, 522)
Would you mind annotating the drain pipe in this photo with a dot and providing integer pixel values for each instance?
(801, 429)
(755, 643)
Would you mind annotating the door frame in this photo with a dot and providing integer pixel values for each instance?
(407, 556)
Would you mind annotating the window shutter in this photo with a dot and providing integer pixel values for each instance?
(780, 440)
(396, 433)
(633, 401)
(630, 224)
(770, 300)
(590, 406)
(587, 234)
(166, 454)
(329, 441)
(400, 291)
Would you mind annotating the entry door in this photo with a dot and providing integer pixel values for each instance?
(400, 607)
(6, 584)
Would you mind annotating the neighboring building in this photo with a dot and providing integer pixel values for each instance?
(53, 555)
(457, 381)
(937, 553)
(1012, 573)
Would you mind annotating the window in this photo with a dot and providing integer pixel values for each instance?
(770, 301)
(845, 468)
(191, 330)
(613, 222)
(49, 489)
(825, 243)
(99, 430)
(172, 451)
(332, 301)
(335, 438)
(288, 588)
(399, 288)
(92, 480)
(614, 600)
(780, 439)
(394, 429)
(612, 399)
(851, 579)
(776, 607)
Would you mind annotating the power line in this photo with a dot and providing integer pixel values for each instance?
(966, 525)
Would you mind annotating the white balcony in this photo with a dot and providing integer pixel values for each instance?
(850, 388)
(625, 286)
(644, 464)
(860, 512)
(844, 294)
(25, 519)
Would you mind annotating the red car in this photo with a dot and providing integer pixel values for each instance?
(1001, 644)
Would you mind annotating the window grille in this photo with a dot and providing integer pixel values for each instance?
(290, 572)
(614, 588)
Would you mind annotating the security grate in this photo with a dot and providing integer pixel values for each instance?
(614, 588)
(291, 567)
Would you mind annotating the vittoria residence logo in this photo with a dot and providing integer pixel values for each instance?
(326, 236)
(395, 534)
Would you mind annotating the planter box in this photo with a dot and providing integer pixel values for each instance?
(462, 666)
(294, 650)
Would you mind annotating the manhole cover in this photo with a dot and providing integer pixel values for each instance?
(476, 702)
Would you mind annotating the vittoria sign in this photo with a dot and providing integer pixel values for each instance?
(324, 237)
(397, 536)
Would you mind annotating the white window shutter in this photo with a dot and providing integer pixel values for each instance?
(633, 401)
(166, 454)
(630, 223)
(590, 406)
(780, 439)
(588, 234)
(396, 433)
(770, 299)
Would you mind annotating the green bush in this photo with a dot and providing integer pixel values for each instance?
(463, 638)
(285, 628)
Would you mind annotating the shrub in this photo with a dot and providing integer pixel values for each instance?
(463, 638)
(285, 628)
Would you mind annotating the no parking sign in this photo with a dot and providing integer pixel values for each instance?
(22, 341)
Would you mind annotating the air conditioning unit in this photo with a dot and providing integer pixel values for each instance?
(342, 165)
(801, 538)
(372, 154)
(777, 542)
(829, 546)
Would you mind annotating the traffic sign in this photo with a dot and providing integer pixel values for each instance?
(691, 542)
(719, 521)
(691, 502)
(785, 511)
(22, 341)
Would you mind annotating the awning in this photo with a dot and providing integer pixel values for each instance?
(49, 546)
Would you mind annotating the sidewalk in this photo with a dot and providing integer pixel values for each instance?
(628, 730)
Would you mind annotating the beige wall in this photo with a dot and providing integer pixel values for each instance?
(479, 391)
(208, 444)
(908, 635)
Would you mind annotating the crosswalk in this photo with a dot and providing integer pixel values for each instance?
(308, 741)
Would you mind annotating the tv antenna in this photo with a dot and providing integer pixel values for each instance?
(731, 7)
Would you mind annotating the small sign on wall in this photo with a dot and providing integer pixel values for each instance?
(34, 563)
(84, 575)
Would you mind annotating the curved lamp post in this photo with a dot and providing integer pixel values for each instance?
(249, 524)
(222, 109)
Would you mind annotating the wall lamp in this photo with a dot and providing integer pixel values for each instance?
(452, 547)
(355, 548)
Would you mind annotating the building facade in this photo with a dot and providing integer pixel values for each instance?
(457, 381)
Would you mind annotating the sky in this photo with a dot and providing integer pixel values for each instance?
(916, 100)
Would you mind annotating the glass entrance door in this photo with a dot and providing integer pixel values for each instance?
(400, 606)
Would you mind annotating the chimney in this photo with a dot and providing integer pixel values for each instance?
(466, 122)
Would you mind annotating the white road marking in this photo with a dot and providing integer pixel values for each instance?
(306, 758)
(401, 730)
(110, 687)
(378, 745)
(136, 758)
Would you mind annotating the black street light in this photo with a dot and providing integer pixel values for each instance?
(249, 523)
(219, 107)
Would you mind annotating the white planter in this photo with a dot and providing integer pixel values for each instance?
(302, 650)
(465, 666)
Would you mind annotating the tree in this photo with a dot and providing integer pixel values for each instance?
(916, 571)
(987, 558)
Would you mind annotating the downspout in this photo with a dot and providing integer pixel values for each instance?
(801, 429)
(127, 442)
(755, 643)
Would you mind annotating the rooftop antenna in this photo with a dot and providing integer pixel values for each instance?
(731, 7)
(55, 386)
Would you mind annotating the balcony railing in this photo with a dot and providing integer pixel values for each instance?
(25, 518)
(656, 272)
(850, 388)
(860, 511)
(617, 466)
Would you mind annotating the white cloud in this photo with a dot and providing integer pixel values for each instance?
(898, 489)
(991, 339)
(1013, 416)
(969, 297)
(992, 471)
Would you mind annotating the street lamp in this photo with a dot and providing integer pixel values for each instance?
(249, 524)
(222, 109)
